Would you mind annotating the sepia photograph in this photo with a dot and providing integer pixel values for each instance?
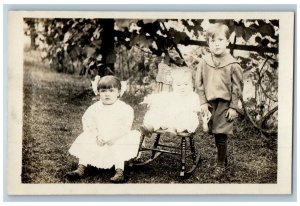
(150, 102)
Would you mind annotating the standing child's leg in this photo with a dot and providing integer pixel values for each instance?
(221, 144)
(221, 127)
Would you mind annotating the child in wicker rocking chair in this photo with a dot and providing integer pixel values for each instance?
(175, 111)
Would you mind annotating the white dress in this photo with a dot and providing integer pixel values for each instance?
(156, 116)
(171, 110)
(107, 122)
(183, 111)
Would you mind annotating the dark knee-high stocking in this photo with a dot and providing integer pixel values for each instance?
(221, 143)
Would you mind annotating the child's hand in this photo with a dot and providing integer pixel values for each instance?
(204, 109)
(100, 142)
(231, 114)
(205, 119)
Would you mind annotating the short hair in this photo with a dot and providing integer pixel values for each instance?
(108, 82)
(215, 29)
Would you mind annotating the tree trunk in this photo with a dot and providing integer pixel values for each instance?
(33, 34)
(108, 46)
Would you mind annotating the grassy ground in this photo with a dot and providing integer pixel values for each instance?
(53, 107)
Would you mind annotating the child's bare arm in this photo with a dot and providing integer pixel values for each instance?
(205, 119)
(204, 109)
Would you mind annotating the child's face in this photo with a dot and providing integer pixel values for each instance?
(109, 96)
(182, 86)
(218, 44)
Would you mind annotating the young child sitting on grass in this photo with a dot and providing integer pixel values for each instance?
(219, 82)
(174, 111)
(107, 139)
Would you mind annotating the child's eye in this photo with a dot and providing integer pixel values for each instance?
(102, 90)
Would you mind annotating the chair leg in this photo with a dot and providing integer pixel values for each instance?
(155, 145)
(183, 155)
(193, 150)
(141, 144)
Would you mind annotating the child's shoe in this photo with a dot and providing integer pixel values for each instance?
(76, 174)
(221, 160)
(147, 131)
(119, 176)
(219, 172)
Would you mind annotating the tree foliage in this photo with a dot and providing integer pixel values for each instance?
(131, 49)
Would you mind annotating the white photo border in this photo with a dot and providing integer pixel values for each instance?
(283, 185)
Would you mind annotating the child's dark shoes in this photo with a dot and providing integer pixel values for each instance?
(119, 176)
(76, 174)
(219, 172)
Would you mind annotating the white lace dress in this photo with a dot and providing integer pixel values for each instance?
(107, 122)
(171, 110)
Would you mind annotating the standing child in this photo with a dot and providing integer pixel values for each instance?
(174, 111)
(107, 138)
(219, 82)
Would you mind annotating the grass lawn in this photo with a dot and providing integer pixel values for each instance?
(54, 104)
